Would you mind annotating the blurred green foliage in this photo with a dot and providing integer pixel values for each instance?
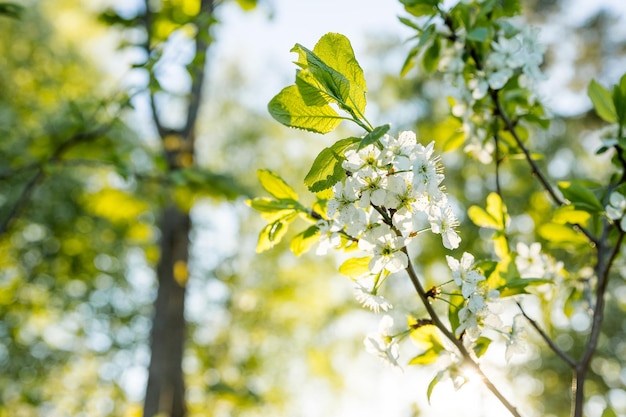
(76, 258)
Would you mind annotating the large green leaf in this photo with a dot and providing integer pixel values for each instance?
(326, 170)
(288, 107)
(602, 101)
(336, 51)
(619, 100)
(328, 80)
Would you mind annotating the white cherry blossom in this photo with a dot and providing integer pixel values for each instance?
(371, 301)
(329, 236)
(616, 208)
(382, 344)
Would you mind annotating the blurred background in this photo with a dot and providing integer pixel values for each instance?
(130, 136)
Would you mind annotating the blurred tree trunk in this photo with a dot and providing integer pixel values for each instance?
(165, 391)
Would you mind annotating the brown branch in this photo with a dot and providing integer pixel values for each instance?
(147, 46)
(198, 66)
(602, 270)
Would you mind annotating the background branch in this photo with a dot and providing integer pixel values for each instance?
(39, 175)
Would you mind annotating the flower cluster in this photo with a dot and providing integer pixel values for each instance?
(516, 52)
(516, 337)
(479, 308)
(391, 194)
(532, 263)
(383, 344)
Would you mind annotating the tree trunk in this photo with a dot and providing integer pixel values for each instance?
(165, 392)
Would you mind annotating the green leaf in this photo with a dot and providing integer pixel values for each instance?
(427, 35)
(373, 136)
(275, 185)
(505, 271)
(481, 345)
(619, 100)
(409, 23)
(425, 358)
(409, 62)
(494, 217)
(355, 267)
(609, 412)
(330, 81)
(602, 101)
(265, 204)
(433, 383)
(482, 219)
(562, 235)
(500, 244)
(431, 56)
(518, 286)
(336, 51)
(421, 7)
(312, 91)
(11, 10)
(273, 233)
(303, 241)
(427, 337)
(326, 170)
(288, 107)
(581, 197)
(507, 8)
(247, 5)
(479, 34)
(568, 214)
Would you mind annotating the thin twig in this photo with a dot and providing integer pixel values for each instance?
(39, 174)
(496, 138)
(147, 46)
(536, 171)
(533, 165)
(562, 354)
